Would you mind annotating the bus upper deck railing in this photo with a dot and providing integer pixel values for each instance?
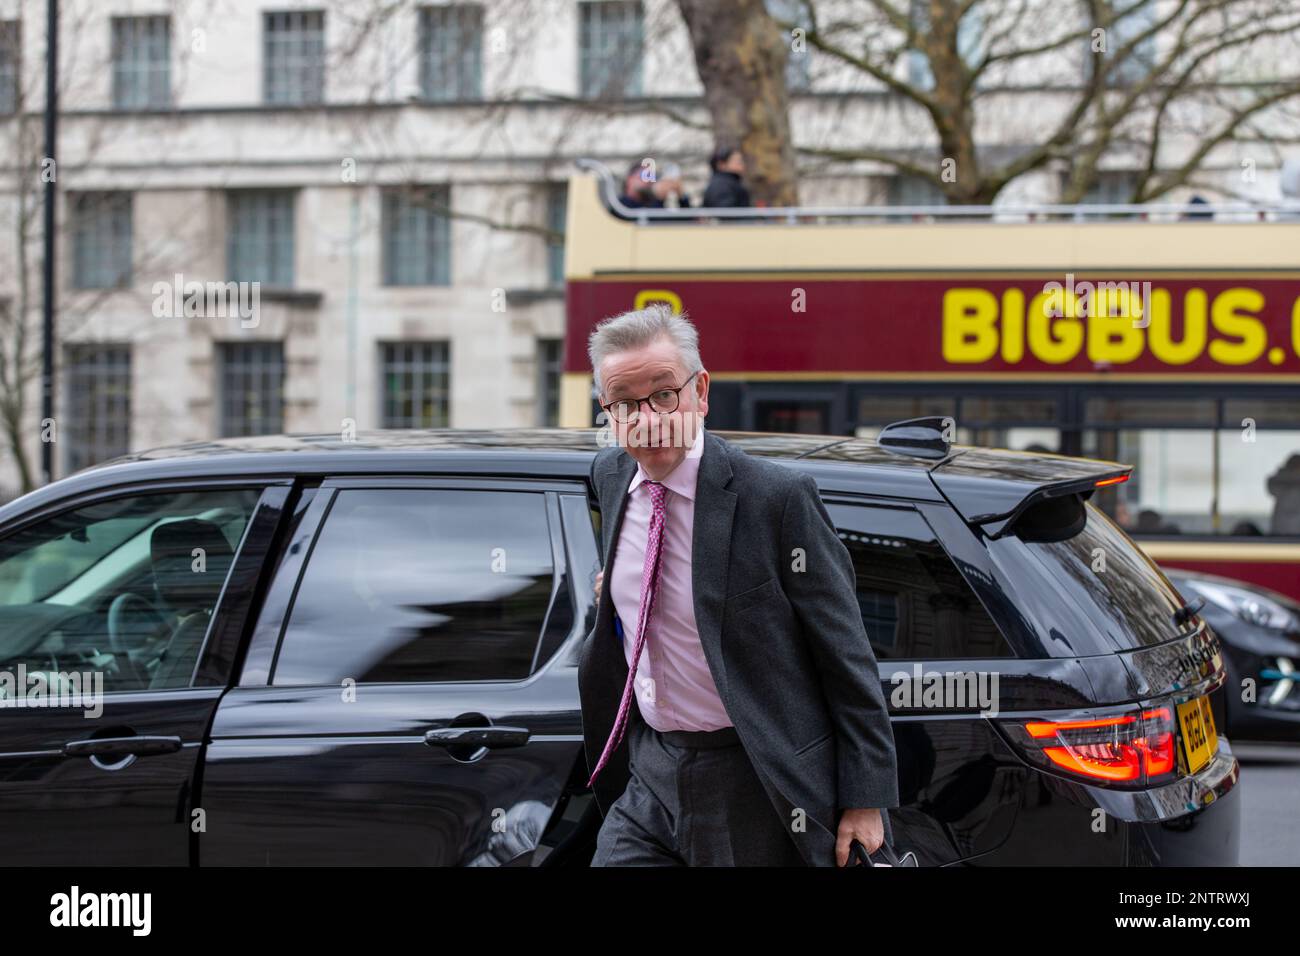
(1226, 212)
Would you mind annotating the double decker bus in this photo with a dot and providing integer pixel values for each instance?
(1164, 337)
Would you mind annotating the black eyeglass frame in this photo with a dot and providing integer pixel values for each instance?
(662, 411)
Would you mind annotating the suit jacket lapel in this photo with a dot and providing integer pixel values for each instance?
(715, 507)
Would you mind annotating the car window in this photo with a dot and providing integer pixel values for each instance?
(124, 587)
(1096, 574)
(915, 603)
(422, 585)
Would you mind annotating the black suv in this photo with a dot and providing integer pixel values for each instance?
(305, 650)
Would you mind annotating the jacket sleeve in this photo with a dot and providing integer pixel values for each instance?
(824, 597)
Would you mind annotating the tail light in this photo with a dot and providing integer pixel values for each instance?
(1131, 749)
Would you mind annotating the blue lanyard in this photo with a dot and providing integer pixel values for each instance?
(618, 628)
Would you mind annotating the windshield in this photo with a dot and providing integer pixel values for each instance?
(1094, 591)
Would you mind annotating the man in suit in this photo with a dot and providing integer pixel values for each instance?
(731, 705)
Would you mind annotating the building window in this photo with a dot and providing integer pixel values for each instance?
(141, 63)
(98, 379)
(1111, 187)
(550, 364)
(10, 60)
(417, 236)
(1138, 62)
(415, 382)
(610, 48)
(260, 236)
(451, 52)
(798, 78)
(101, 240)
(905, 189)
(293, 52)
(557, 202)
(251, 389)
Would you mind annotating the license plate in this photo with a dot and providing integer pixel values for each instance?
(1200, 739)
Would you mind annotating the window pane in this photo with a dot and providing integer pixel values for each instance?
(905, 189)
(1008, 410)
(420, 585)
(1190, 411)
(1139, 61)
(294, 57)
(1262, 412)
(10, 62)
(557, 199)
(550, 362)
(797, 62)
(260, 236)
(1110, 188)
(415, 378)
(610, 48)
(1062, 575)
(251, 377)
(1171, 490)
(101, 240)
(417, 236)
(876, 411)
(98, 418)
(112, 586)
(451, 52)
(915, 604)
(1259, 482)
(1017, 439)
(141, 62)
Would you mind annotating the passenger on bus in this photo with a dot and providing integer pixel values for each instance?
(642, 190)
(1284, 486)
(726, 188)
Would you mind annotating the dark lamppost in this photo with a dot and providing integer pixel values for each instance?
(50, 173)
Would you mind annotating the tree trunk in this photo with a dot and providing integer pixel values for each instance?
(740, 54)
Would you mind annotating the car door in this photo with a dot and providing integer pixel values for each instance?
(406, 698)
(959, 785)
(107, 604)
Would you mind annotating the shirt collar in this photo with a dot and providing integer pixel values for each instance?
(682, 478)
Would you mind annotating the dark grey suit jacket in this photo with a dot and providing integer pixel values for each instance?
(786, 647)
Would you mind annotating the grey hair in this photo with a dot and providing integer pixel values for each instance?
(632, 330)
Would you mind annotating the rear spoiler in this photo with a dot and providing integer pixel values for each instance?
(994, 489)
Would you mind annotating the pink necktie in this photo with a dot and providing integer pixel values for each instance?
(650, 575)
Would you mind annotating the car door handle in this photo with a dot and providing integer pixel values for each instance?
(121, 746)
(477, 737)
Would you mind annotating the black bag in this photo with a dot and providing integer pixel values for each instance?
(885, 856)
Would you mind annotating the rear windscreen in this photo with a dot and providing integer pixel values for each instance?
(1091, 592)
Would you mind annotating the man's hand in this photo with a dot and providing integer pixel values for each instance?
(600, 575)
(863, 825)
(663, 187)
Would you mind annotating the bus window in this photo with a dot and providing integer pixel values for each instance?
(1259, 491)
(1023, 422)
(1172, 486)
(1239, 477)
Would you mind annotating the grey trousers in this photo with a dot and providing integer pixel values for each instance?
(692, 800)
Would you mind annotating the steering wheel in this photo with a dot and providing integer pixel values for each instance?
(126, 605)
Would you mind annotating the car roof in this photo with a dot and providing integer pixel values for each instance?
(838, 462)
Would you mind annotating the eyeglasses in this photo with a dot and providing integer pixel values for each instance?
(663, 401)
